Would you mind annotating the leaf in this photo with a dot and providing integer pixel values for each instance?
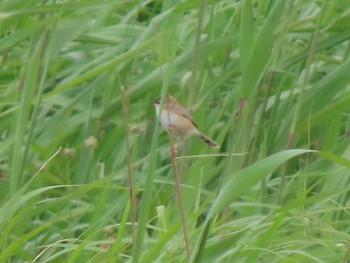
(13, 39)
(247, 31)
(242, 182)
(331, 41)
(325, 90)
(18, 200)
(326, 113)
(336, 158)
(260, 53)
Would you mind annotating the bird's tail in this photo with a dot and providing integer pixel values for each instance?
(209, 141)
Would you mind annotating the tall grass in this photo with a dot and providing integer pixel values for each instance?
(86, 171)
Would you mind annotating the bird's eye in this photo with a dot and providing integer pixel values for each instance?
(157, 100)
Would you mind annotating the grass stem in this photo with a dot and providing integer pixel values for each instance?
(178, 194)
(125, 105)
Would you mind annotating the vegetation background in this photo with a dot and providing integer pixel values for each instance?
(86, 171)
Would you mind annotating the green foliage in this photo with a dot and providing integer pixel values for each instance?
(268, 80)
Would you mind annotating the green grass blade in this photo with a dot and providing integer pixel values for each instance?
(260, 52)
(241, 182)
(247, 31)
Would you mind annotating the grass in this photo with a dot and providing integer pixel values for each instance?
(87, 173)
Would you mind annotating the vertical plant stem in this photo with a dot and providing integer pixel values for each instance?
(29, 81)
(262, 117)
(41, 82)
(146, 201)
(178, 194)
(241, 103)
(291, 134)
(201, 241)
(125, 105)
(196, 52)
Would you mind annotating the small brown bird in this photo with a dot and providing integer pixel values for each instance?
(178, 121)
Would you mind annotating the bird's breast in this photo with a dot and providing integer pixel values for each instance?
(176, 124)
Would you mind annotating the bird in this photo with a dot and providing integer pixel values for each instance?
(178, 121)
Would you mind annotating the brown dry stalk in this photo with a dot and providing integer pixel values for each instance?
(178, 194)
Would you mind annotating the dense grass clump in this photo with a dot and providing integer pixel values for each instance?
(88, 175)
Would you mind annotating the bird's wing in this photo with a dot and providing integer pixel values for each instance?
(183, 112)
